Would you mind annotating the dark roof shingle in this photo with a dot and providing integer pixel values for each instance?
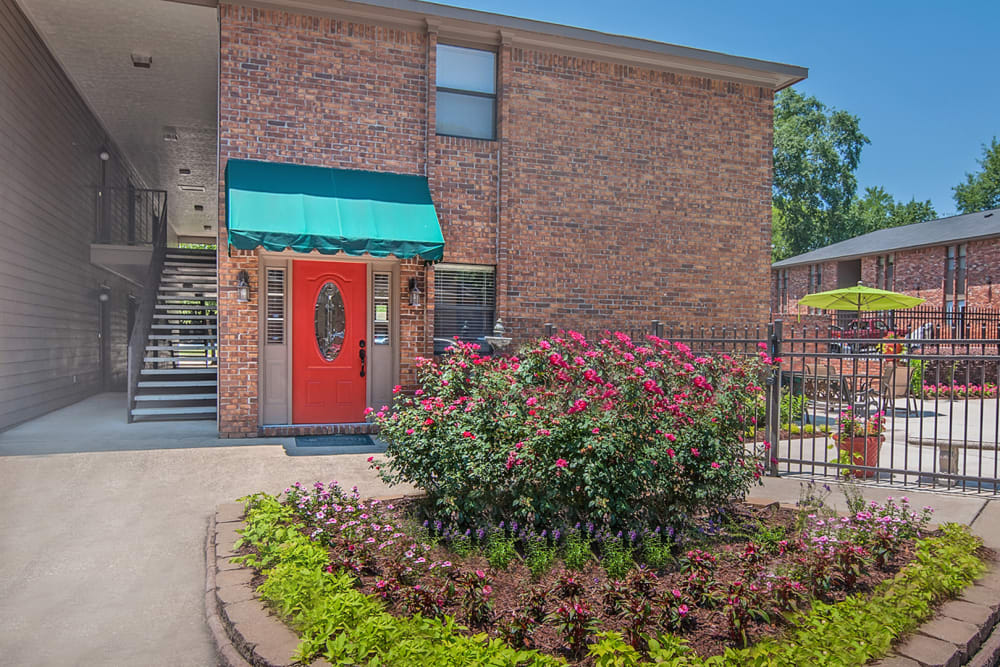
(956, 229)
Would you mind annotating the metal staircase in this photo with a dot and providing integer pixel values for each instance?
(178, 375)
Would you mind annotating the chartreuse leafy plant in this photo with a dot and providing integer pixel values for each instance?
(620, 433)
(338, 622)
(852, 632)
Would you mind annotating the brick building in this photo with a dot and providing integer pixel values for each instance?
(390, 175)
(951, 262)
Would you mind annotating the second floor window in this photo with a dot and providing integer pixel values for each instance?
(466, 92)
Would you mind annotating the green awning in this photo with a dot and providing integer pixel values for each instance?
(301, 207)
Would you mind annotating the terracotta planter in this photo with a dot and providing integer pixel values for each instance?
(863, 451)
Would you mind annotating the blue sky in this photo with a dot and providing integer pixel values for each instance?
(924, 77)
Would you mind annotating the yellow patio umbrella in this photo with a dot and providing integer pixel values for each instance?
(860, 298)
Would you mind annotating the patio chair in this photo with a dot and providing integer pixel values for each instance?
(871, 397)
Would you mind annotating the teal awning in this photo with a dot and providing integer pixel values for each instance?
(280, 206)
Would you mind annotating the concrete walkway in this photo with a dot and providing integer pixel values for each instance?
(102, 529)
(102, 547)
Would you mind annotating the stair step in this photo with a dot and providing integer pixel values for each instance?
(175, 397)
(193, 410)
(183, 316)
(207, 271)
(186, 308)
(210, 327)
(180, 337)
(166, 384)
(188, 294)
(174, 284)
(185, 358)
(183, 347)
(190, 252)
(204, 370)
(173, 263)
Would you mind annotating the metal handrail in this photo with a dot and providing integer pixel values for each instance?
(128, 215)
(144, 317)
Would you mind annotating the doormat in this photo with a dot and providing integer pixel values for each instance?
(343, 440)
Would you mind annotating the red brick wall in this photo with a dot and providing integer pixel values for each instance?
(624, 194)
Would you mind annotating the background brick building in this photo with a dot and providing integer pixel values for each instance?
(951, 262)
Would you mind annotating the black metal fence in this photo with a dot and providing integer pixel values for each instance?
(916, 323)
(934, 403)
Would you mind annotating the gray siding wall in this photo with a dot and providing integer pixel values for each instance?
(50, 172)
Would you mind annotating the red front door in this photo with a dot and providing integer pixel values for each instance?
(329, 349)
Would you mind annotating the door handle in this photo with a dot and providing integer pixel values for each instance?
(363, 355)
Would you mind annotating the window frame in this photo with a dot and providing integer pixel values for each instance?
(467, 93)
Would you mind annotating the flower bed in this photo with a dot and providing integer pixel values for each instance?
(358, 579)
(952, 391)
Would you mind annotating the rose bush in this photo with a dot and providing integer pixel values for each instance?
(620, 433)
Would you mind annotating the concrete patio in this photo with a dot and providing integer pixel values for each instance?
(103, 527)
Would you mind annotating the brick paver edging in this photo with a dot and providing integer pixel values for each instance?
(964, 631)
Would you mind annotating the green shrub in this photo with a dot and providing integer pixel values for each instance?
(576, 551)
(619, 433)
(616, 558)
(500, 550)
(539, 556)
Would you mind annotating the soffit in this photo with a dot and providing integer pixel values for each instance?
(93, 41)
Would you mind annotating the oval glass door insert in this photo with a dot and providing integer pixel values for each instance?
(331, 321)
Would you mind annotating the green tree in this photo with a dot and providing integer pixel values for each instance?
(816, 152)
(981, 191)
(877, 210)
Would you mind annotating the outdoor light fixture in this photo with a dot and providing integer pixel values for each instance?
(989, 288)
(414, 293)
(104, 155)
(242, 287)
(104, 295)
(142, 60)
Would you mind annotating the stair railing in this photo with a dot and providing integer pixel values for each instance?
(147, 305)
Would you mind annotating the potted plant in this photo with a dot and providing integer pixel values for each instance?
(891, 347)
(859, 440)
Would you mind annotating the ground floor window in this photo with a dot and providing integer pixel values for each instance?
(464, 303)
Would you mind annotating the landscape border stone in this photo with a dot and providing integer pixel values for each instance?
(247, 634)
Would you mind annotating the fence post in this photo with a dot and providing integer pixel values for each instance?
(773, 397)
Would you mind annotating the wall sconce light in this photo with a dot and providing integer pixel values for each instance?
(104, 295)
(104, 155)
(242, 287)
(414, 293)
